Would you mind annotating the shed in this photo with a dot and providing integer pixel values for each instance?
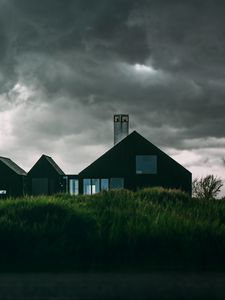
(12, 178)
(46, 177)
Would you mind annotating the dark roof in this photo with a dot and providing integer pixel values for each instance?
(135, 133)
(132, 137)
(13, 166)
(54, 164)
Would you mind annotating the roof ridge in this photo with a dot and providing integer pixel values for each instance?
(12, 165)
(137, 134)
(54, 164)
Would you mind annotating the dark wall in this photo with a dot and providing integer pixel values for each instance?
(14, 184)
(42, 174)
(43, 167)
(120, 161)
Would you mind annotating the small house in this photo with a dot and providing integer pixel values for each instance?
(12, 179)
(46, 177)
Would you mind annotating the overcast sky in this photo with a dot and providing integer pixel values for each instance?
(67, 66)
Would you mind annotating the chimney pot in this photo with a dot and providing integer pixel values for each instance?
(121, 127)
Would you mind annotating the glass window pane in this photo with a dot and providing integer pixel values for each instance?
(74, 186)
(95, 186)
(146, 164)
(71, 186)
(87, 186)
(117, 183)
(104, 184)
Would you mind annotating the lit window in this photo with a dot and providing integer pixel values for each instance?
(74, 186)
(95, 186)
(91, 186)
(146, 164)
(116, 183)
(104, 184)
(87, 186)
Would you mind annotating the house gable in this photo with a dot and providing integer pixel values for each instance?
(117, 158)
(45, 167)
(120, 161)
(12, 178)
(12, 167)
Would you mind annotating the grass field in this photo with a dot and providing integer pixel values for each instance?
(152, 229)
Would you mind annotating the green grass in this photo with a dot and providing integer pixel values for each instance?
(152, 229)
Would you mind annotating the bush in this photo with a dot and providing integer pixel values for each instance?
(207, 187)
(159, 194)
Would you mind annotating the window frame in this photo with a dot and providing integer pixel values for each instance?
(152, 164)
(112, 178)
(108, 184)
(74, 186)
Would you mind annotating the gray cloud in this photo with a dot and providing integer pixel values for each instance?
(67, 66)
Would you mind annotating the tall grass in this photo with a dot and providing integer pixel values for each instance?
(150, 229)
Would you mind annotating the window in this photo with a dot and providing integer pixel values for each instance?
(95, 186)
(87, 186)
(116, 183)
(104, 184)
(74, 186)
(146, 164)
(91, 186)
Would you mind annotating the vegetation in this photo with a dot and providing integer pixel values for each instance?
(207, 188)
(152, 229)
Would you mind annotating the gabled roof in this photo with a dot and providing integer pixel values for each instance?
(49, 161)
(13, 166)
(132, 139)
(54, 164)
(135, 133)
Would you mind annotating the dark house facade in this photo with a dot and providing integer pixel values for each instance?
(134, 163)
(46, 177)
(12, 179)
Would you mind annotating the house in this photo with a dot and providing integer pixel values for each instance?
(12, 179)
(133, 163)
(46, 177)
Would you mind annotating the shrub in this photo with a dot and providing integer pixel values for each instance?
(207, 187)
(160, 194)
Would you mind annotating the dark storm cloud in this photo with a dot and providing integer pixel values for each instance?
(70, 25)
(84, 60)
(186, 35)
(80, 34)
(7, 74)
